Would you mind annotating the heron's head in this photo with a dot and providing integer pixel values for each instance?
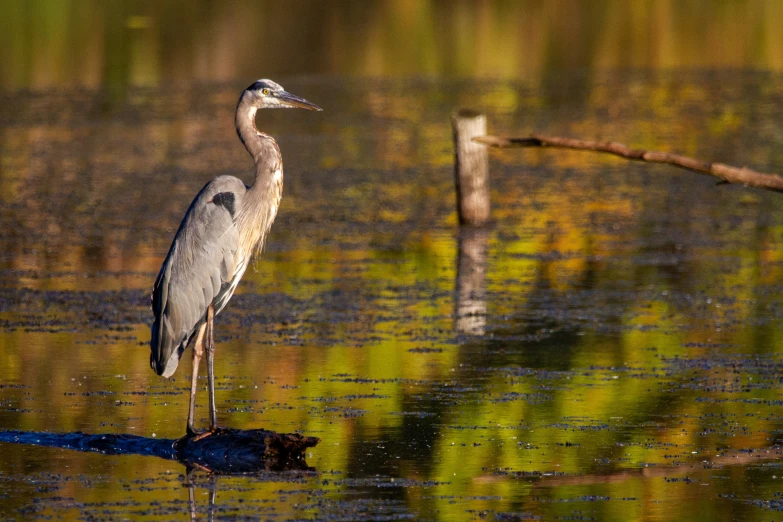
(266, 94)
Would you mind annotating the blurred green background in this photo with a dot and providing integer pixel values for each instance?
(94, 43)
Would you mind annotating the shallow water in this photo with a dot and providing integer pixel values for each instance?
(621, 361)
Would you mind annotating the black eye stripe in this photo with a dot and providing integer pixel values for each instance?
(259, 86)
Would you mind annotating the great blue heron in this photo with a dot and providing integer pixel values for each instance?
(225, 225)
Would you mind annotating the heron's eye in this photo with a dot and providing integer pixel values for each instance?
(265, 92)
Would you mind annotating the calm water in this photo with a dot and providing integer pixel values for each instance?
(626, 365)
(621, 363)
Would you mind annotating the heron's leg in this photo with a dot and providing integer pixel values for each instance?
(209, 345)
(210, 341)
(198, 351)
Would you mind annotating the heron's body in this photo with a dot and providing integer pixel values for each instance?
(226, 223)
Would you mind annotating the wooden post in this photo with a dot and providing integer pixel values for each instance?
(471, 168)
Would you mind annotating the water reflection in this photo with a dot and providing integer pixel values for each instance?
(210, 509)
(471, 292)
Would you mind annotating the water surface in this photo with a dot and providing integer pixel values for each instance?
(621, 361)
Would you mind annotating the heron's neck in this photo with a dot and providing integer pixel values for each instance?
(262, 147)
(259, 206)
(245, 121)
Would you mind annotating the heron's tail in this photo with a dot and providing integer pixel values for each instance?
(164, 350)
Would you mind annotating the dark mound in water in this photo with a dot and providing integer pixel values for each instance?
(227, 451)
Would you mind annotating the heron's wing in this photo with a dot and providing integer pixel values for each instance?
(200, 267)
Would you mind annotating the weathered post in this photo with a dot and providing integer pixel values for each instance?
(471, 168)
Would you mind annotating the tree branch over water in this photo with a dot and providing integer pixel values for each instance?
(727, 173)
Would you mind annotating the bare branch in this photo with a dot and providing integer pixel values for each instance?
(727, 173)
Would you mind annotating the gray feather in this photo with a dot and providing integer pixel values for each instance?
(197, 271)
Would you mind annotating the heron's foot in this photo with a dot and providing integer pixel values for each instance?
(204, 434)
(191, 432)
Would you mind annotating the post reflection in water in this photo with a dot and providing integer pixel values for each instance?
(471, 287)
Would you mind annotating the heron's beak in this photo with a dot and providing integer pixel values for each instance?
(291, 100)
